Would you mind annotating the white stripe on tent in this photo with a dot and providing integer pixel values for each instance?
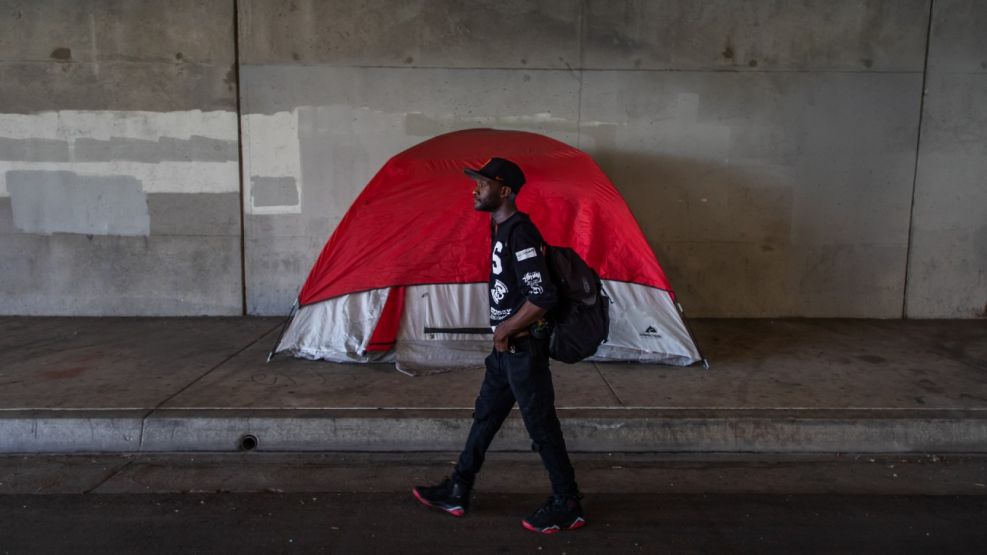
(645, 326)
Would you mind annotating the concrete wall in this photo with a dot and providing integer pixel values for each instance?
(947, 269)
(347, 85)
(769, 149)
(119, 174)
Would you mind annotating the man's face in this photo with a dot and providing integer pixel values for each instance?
(487, 194)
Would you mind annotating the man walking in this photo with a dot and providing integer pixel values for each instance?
(521, 292)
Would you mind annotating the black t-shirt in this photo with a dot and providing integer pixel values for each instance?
(518, 270)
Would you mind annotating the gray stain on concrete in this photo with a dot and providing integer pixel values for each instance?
(196, 148)
(194, 214)
(46, 202)
(6, 217)
(63, 54)
(273, 191)
(34, 150)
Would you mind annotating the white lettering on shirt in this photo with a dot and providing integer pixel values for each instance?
(495, 262)
(533, 281)
(499, 314)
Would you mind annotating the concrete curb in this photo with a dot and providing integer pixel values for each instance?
(590, 430)
(58, 431)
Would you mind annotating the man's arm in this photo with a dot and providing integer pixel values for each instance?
(527, 315)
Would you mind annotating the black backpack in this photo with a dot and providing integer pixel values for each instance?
(581, 319)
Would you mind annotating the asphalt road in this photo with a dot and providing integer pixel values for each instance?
(361, 504)
(394, 523)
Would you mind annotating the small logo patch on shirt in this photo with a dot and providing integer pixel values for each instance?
(526, 254)
(533, 281)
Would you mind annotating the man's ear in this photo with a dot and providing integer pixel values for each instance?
(505, 191)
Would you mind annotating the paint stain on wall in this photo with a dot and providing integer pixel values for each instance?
(272, 159)
(167, 152)
(164, 149)
(34, 150)
(195, 148)
(273, 191)
(47, 202)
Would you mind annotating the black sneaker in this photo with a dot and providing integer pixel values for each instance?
(558, 513)
(451, 497)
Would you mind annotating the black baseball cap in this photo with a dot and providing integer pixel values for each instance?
(501, 171)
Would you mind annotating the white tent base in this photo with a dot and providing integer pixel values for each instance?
(446, 326)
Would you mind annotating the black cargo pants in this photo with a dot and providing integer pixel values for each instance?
(521, 376)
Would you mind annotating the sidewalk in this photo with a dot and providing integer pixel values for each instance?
(202, 384)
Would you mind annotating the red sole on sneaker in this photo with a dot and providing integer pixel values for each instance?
(578, 523)
(457, 512)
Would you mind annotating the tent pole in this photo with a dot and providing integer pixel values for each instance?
(284, 327)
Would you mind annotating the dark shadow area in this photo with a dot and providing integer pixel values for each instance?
(722, 234)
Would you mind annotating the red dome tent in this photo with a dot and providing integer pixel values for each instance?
(403, 278)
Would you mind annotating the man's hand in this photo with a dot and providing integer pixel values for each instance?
(501, 339)
(527, 315)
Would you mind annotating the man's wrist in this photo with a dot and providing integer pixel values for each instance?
(511, 328)
(504, 330)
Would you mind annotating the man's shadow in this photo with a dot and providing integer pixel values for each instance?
(722, 234)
